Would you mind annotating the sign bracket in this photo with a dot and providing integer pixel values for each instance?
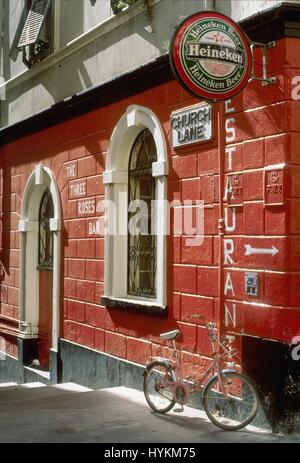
(264, 47)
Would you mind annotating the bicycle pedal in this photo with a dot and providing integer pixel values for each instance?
(178, 410)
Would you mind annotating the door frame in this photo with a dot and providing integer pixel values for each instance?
(40, 179)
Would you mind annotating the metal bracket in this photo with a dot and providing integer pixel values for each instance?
(264, 46)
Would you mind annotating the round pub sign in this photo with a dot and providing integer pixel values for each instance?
(210, 56)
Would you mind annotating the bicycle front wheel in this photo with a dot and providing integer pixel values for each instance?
(232, 404)
(159, 380)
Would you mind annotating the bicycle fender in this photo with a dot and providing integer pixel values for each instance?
(165, 363)
(212, 379)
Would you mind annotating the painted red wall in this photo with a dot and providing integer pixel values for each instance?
(267, 131)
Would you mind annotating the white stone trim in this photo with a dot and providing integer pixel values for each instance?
(129, 299)
(275, 166)
(28, 226)
(125, 133)
(159, 168)
(136, 119)
(115, 177)
(55, 224)
(40, 175)
(39, 180)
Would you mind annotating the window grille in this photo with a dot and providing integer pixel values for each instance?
(45, 234)
(142, 243)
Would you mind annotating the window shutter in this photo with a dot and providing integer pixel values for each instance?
(34, 22)
(14, 51)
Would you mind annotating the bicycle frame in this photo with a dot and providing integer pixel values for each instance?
(219, 352)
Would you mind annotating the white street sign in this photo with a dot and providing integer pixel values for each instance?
(191, 125)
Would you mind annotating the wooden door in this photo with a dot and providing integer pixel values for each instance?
(45, 266)
(45, 316)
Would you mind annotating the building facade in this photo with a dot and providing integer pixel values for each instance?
(92, 119)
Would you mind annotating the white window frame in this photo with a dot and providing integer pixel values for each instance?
(115, 178)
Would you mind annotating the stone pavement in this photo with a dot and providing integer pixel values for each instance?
(71, 413)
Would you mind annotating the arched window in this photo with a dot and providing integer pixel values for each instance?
(135, 241)
(45, 234)
(142, 243)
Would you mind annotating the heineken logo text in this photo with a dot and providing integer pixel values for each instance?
(215, 52)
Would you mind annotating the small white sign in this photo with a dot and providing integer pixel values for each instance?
(191, 125)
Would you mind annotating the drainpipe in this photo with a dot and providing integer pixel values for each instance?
(210, 5)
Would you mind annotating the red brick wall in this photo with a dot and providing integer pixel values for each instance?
(267, 131)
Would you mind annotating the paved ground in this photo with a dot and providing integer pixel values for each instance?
(71, 413)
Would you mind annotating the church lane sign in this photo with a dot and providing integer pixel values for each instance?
(191, 125)
(210, 56)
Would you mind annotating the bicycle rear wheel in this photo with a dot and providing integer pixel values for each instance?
(159, 380)
(234, 409)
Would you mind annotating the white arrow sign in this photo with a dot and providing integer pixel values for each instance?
(249, 250)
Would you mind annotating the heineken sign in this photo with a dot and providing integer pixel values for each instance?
(210, 56)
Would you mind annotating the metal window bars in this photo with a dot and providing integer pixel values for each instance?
(142, 246)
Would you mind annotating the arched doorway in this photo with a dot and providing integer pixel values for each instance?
(40, 268)
(45, 269)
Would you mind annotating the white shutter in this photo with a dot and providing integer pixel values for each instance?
(34, 22)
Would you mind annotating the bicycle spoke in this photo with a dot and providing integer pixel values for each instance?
(158, 387)
(235, 409)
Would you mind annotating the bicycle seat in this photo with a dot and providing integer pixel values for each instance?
(169, 335)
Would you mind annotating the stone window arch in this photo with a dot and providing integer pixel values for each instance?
(131, 125)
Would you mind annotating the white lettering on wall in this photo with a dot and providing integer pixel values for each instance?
(228, 285)
(86, 207)
(71, 170)
(77, 189)
(228, 189)
(230, 315)
(230, 131)
(229, 150)
(97, 227)
(229, 109)
(228, 251)
(230, 228)
(230, 312)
